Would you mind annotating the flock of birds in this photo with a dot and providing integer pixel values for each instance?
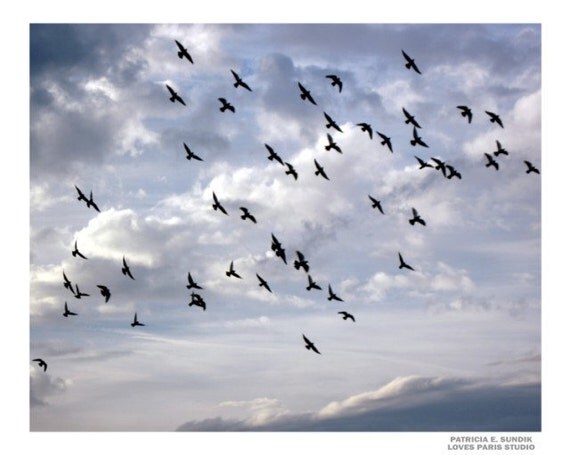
(300, 263)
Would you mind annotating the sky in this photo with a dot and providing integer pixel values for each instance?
(463, 327)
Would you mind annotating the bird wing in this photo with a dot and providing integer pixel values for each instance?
(237, 78)
(171, 90)
(406, 56)
(414, 212)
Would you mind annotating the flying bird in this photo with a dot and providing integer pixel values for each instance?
(183, 52)
(346, 316)
(500, 150)
(331, 123)
(217, 206)
(309, 345)
(376, 204)
(226, 105)
(76, 252)
(306, 94)
(291, 171)
(232, 272)
(263, 283)
(410, 63)
(385, 141)
(104, 292)
(452, 172)
(410, 119)
(192, 284)
(466, 112)
(332, 144)
(41, 363)
(491, 162)
(91, 203)
(320, 170)
(422, 163)
(196, 299)
(417, 140)
(440, 166)
(247, 215)
(494, 118)
(366, 128)
(126, 270)
(301, 262)
(174, 96)
(333, 296)
(278, 249)
(239, 82)
(312, 284)
(531, 168)
(66, 283)
(273, 155)
(403, 264)
(190, 154)
(81, 196)
(78, 294)
(67, 312)
(416, 218)
(335, 81)
(136, 322)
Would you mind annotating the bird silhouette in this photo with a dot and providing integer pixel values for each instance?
(78, 294)
(494, 118)
(226, 105)
(346, 316)
(105, 292)
(278, 249)
(273, 155)
(136, 322)
(175, 96)
(333, 296)
(335, 80)
(309, 345)
(365, 127)
(263, 283)
(422, 163)
(197, 300)
(410, 63)
(440, 166)
(126, 270)
(231, 272)
(452, 172)
(410, 119)
(41, 363)
(67, 312)
(417, 140)
(191, 155)
(376, 204)
(192, 284)
(531, 168)
(306, 94)
(66, 283)
(217, 206)
(81, 196)
(312, 284)
(491, 162)
(301, 262)
(331, 123)
(403, 265)
(239, 82)
(76, 252)
(320, 170)
(247, 215)
(183, 52)
(500, 150)
(466, 112)
(416, 218)
(291, 171)
(332, 144)
(385, 141)
(91, 203)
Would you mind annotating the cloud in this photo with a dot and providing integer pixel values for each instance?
(43, 385)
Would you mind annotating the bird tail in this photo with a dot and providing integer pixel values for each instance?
(236, 84)
(412, 221)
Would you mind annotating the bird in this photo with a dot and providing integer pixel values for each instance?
(422, 163)
(309, 345)
(78, 294)
(41, 363)
(136, 322)
(403, 264)
(175, 96)
(192, 284)
(494, 118)
(263, 283)
(417, 140)
(76, 252)
(67, 312)
(91, 203)
(291, 171)
(332, 144)
(331, 123)
(500, 150)
(217, 206)
(126, 270)
(531, 168)
(273, 155)
(301, 262)
(333, 296)
(410, 63)
(346, 316)
(335, 80)
(190, 154)
(247, 215)
(365, 127)
(410, 119)
(416, 218)
(491, 162)
(239, 82)
(306, 94)
(452, 172)
(66, 283)
(226, 105)
(376, 204)
(466, 112)
(105, 292)
(312, 284)
(278, 249)
(320, 170)
(81, 196)
(196, 299)
(385, 141)
(232, 272)
(183, 52)
(440, 166)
